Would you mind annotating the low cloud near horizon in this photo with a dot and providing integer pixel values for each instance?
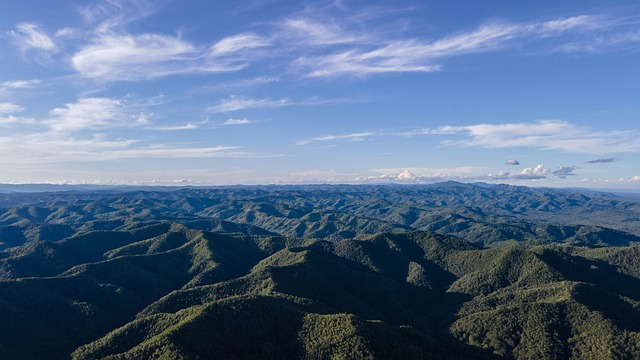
(564, 171)
(602, 161)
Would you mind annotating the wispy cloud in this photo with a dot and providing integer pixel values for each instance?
(187, 126)
(323, 43)
(240, 102)
(18, 84)
(243, 121)
(42, 148)
(96, 129)
(547, 135)
(309, 32)
(544, 134)
(93, 113)
(392, 58)
(7, 117)
(114, 54)
(29, 36)
(372, 55)
(114, 15)
(10, 108)
(237, 43)
(349, 137)
(235, 103)
(128, 57)
(234, 86)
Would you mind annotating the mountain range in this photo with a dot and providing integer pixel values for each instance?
(449, 270)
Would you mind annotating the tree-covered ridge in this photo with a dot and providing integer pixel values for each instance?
(97, 275)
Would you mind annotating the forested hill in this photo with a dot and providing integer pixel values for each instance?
(449, 271)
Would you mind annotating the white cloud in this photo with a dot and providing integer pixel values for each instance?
(512, 162)
(10, 108)
(116, 14)
(371, 55)
(10, 120)
(168, 152)
(548, 135)
(93, 113)
(514, 134)
(314, 43)
(235, 103)
(422, 175)
(627, 183)
(232, 86)
(45, 148)
(49, 147)
(113, 54)
(127, 57)
(530, 173)
(393, 58)
(486, 38)
(236, 43)
(19, 84)
(54, 148)
(544, 134)
(314, 33)
(29, 36)
(7, 119)
(350, 137)
(463, 173)
(243, 121)
(538, 172)
(187, 126)
(566, 24)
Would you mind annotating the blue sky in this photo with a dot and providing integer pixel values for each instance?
(541, 93)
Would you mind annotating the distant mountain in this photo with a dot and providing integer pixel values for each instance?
(479, 213)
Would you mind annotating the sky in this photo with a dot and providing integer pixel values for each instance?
(192, 92)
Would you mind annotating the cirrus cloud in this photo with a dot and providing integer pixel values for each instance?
(128, 57)
(10, 108)
(547, 135)
(235, 103)
(28, 36)
(243, 121)
(544, 134)
(93, 113)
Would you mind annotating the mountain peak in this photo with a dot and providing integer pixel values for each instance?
(407, 175)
